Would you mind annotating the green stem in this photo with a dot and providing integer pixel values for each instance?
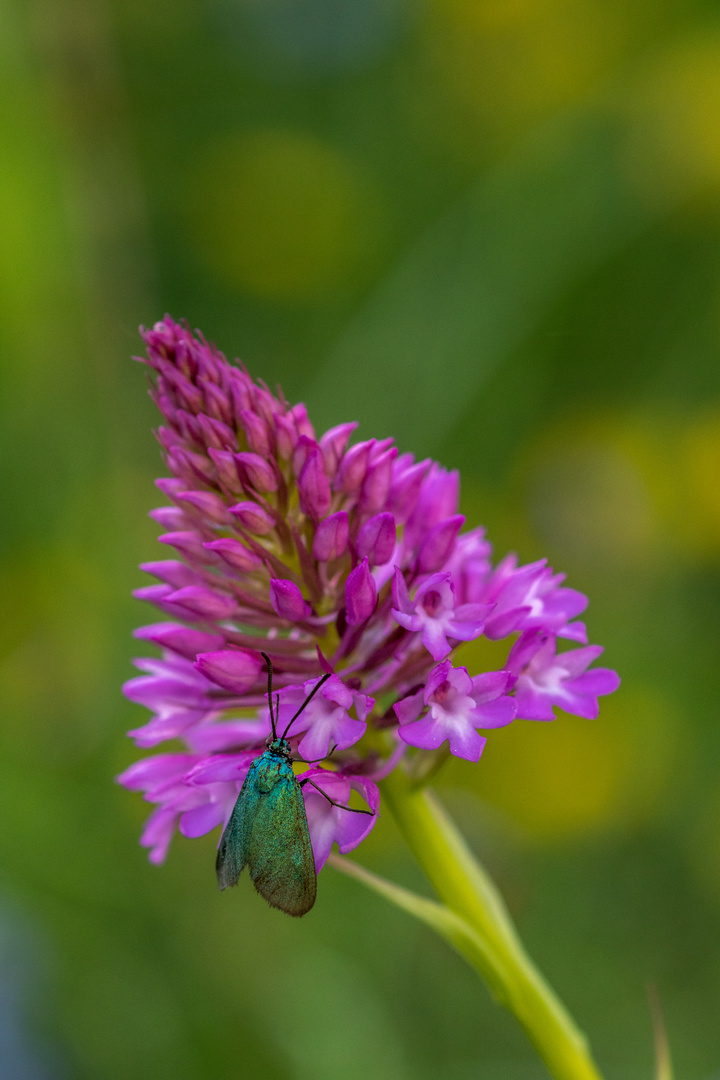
(462, 884)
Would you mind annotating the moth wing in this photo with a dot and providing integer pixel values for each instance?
(232, 853)
(279, 854)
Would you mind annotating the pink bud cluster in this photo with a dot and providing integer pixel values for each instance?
(331, 558)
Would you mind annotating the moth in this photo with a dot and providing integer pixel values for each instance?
(268, 830)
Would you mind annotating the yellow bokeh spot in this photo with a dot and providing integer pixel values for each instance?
(674, 146)
(282, 215)
(512, 61)
(629, 490)
(572, 776)
(596, 488)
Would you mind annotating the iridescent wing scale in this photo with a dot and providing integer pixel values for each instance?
(268, 833)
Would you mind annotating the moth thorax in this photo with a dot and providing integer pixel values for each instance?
(281, 747)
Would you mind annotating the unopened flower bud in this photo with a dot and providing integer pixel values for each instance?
(301, 451)
(360, 595)
(159, 596)
(256, 433)
(227, 472)
(313, 486)
(188, 543)
(217, 434)
(257, 471)
(172, 572)
(287, 600)
(169, 485)
(376, 484)
(437, 545)
(437, 501)
(376, 539)
(235, 554)
(333, 444)
(204, 602)
(207, 502)
(331, 537)
(180, 639)
(285, 437)
(353, 467)
(405, 488)
(216, 402)
(301, 420)
(233, 669)
(253, 518)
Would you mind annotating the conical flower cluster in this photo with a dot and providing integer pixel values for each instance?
(331, 558)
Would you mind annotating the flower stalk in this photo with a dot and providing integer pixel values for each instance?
(497, 954)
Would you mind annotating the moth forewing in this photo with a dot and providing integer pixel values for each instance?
(280, 857)
(268, 833)
(232, 851)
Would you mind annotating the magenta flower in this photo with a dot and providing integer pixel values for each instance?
(529, 598)
(330, 824)
(456, 706)
(309, 549)
(545, 679)
(434, 614)
(164, 779)
(326, 721)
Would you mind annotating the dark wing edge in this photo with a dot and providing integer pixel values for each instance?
(232, 852)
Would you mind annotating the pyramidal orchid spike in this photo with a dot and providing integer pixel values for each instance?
(340, 571)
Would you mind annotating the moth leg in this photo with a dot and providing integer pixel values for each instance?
(342, 806)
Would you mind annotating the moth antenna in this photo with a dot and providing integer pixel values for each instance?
(307, 701)
(268, 661)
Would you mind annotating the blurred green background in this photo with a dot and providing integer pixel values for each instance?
(490, 228)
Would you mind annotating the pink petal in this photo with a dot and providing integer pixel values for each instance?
(577, 660)
(221, 769)
(201, 819)
(409, 708)
(495, 714)
(466, 743)
(331, 824)
(531, 705)
(437, 677)
(596, 681)
(426, 734)
(575, 631)
(401, 599)
(339, 731)
(150, 771)
(434, 639)
(489, 685)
